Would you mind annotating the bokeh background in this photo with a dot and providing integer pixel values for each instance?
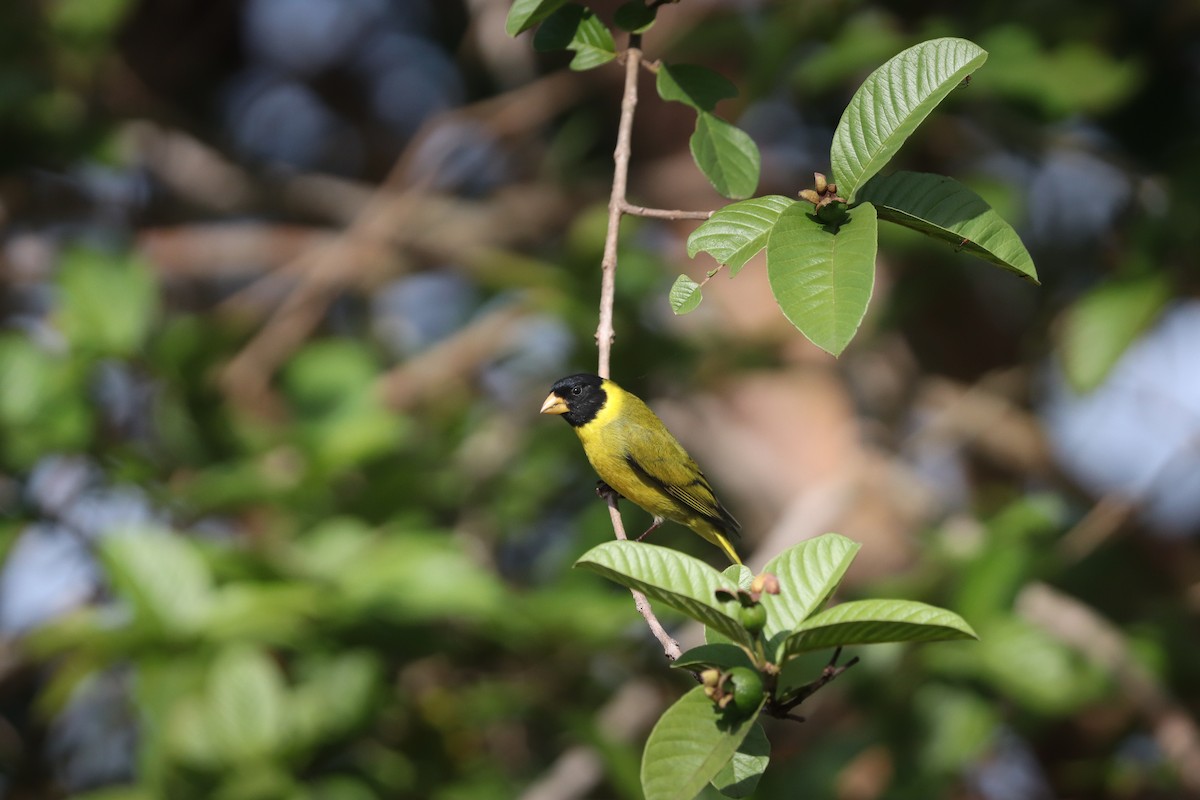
(284, 282)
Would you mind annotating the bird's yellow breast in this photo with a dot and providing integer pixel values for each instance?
(626, 425)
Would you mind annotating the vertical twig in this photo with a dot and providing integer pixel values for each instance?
(616, 205)
(608, 282)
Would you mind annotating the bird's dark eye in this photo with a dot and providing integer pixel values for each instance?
(577, 390)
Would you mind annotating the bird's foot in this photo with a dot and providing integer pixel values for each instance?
(606, 492)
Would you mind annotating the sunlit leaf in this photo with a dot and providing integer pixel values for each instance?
(578, 29)
(162, 575)
(876, 621)
(107, 302)
(684, 583)
(1101, 325)
(823, 279)
(524, 14)
(689, 746)
(735, 233)
(943, 208)
(685, 295)
(808, 574)
(246, 704)
(892, 102)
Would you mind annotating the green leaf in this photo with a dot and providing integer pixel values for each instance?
(162, 575)
(726, 155)
(808, 574)
(739, 576)
(578, 29)
(739, 777)
(823, 279)
(685, 295)
(524, 14)
(721, 656)
(108, 302)
(333, 697)
(1088, 80)
(696, 86)
(958, 727)
(686, 584)
(1036, 670)
(419, 577)
(188, 736)
(634, 16)
(874, 622)
(943, 208)
(689, 746)
(738, 231)
(1099, 326)
(892, 102)
(246, 704)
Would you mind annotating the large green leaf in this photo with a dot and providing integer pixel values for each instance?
(107, 302)
(726, 155)
(823, 279)
(740, 776)
(892, 102)
(524, 14)
(334, 695)
(1099, 326)
(246, 704)
(943, 208)
(686, 584)
(1037, 670)
(739, 230)
(696, 86)
(808, 574)
(874, 622)
(690, 744)
(163, 577)
(578, 29)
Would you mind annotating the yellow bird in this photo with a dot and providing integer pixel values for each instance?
(633, 452)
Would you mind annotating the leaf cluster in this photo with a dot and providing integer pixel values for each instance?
(754, 628)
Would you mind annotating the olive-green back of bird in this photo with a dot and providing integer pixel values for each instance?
(633, 452)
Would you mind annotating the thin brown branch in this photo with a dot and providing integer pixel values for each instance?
(663, 213)
(450, 362)
(831, 671)
(324, 273)
(617, 205)
(670, 647)
(608, 264)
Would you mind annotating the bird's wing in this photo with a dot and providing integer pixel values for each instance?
(677, 475)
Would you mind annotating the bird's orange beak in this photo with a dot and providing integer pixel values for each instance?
(554, 405)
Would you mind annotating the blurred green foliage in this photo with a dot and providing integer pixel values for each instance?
(334, 598)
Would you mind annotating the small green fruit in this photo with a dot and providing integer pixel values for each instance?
(753, 617)
(747, 689)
